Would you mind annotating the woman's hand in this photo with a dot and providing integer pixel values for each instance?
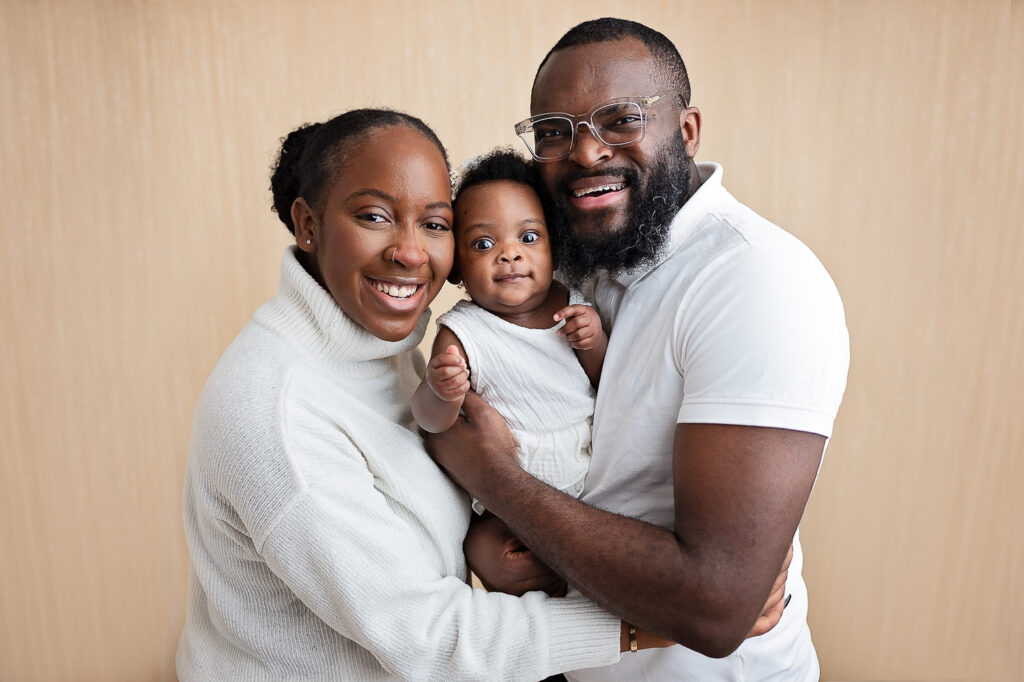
(448, 375)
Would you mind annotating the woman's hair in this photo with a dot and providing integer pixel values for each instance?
(501, 163)
(313, 154)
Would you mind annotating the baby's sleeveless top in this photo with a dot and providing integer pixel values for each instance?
(534, 380)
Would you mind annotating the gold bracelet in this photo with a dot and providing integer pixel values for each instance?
(632, 638)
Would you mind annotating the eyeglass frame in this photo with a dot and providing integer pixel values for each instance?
(643, 102)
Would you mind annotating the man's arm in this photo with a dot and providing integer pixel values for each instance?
(739, 493)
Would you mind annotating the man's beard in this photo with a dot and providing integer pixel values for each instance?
(581, 252)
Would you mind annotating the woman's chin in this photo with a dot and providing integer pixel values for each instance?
(394, 329)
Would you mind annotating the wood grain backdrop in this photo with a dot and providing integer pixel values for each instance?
(137, 240)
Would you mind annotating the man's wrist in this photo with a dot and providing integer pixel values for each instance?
(627, 638)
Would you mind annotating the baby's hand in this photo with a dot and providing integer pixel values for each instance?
(448, 375)
(582, 327)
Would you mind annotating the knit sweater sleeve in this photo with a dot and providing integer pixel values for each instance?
(358, 555)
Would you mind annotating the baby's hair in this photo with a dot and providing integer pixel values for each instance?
(313, 154)
(501, 163)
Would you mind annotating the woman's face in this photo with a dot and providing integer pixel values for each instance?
(383, 245)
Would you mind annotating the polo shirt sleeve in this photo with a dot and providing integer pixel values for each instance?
(762, 341)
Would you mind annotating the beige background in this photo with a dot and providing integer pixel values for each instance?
(136, 138)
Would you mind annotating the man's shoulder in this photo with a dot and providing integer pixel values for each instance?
(732, 238)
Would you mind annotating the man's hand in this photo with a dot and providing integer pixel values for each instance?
(582, 327)
(504, 564)
(477, 449)
(772, 613)
(448, 375)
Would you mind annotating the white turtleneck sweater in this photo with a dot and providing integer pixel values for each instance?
(325, 543)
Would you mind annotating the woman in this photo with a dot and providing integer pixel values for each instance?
(324, 541)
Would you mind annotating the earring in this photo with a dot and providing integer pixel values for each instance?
(308, 241)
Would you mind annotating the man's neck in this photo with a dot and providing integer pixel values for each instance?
(695, 182)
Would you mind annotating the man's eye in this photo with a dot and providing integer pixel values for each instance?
(529, 238)
(549, 133)
(626, 121)
(482, 244)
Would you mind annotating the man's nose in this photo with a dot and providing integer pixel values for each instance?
(588, 149)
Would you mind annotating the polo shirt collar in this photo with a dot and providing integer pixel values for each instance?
(683, 224)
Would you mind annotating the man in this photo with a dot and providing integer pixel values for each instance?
(726, 365)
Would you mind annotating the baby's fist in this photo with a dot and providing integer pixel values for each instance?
(448, 375)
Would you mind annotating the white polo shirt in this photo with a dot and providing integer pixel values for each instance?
(737, 323)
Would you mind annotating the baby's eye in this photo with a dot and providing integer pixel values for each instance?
(482, 244)
(529, 238)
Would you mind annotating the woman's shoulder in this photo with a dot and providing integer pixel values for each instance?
(239, 447)
(242, 405)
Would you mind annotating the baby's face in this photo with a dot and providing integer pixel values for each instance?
(502, 247)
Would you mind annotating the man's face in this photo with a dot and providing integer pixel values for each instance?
(611, 205)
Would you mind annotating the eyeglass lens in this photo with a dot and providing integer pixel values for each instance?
(616, 123)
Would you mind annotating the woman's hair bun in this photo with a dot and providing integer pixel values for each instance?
(284, 178)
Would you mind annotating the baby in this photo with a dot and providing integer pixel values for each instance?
(525, 343)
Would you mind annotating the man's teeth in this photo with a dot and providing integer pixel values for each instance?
(614, 187)
(396, 291)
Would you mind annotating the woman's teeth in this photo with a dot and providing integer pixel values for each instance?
(394, 290)
(614, 187)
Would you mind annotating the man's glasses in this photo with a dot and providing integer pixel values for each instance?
(615, 123)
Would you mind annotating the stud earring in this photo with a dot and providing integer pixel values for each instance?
(308, 241)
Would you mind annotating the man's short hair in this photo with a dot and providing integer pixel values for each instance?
(608, 29)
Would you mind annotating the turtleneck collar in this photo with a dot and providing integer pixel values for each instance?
(306, 313)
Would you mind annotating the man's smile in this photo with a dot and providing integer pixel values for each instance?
(597, 192)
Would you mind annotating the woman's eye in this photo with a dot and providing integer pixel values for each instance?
(372, 217)
(529, 238)
(482, 244)
(435, 226)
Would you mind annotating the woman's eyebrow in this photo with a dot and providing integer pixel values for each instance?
(371, 192)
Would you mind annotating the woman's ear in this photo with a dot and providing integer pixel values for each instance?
(306, 225)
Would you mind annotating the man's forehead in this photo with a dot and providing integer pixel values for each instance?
(593, 73)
